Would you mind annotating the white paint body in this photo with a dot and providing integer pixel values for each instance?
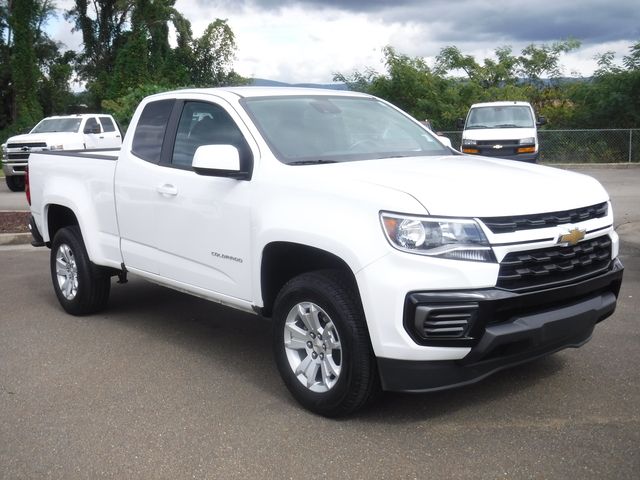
(206, 235)
(56, 141)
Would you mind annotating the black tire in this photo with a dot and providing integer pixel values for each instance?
(15, 183)
(339, 306)
(90, 284)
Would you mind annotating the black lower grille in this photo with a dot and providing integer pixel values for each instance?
(17, 156)
(498, 152)
(546, 267)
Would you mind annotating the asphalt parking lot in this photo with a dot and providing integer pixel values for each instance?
(163, 385)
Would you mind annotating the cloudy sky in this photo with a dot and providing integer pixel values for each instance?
(308, 40)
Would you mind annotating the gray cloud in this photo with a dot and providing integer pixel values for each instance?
(592, 21)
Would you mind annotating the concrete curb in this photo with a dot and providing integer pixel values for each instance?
(14, 238)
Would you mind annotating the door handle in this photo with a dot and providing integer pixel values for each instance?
(167, 190)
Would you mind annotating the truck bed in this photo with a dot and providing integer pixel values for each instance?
(81, 180)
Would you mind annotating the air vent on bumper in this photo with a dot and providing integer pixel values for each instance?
(442, 323)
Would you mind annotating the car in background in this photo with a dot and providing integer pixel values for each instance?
(68, 132)
(501, 129)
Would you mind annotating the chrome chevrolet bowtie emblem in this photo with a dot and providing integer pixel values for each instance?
(572, 237)
(25, 149)
(497, 147)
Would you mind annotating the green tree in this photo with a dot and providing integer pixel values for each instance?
(212, 56)
(26, 110)
(611, 99)
(103, 24)
(6, 95)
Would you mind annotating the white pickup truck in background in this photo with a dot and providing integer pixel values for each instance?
(385, 260)
(69, 132)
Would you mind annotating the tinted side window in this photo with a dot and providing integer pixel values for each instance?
(107, 124)
(90, 126)
(149, 134)
(207, 124)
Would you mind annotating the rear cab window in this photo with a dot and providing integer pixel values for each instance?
(150, 130)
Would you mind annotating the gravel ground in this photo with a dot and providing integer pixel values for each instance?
(14, 222)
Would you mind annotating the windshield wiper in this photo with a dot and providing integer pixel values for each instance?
(507, 125)
(311, 162)
(470, 127)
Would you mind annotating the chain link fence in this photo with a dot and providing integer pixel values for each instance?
(581, 146)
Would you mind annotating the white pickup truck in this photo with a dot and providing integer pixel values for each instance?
(385, 260)
(69, 132)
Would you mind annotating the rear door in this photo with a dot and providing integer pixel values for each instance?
(111, 137)
(140, 188)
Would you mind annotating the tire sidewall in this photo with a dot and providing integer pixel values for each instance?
(325, 402)
(71, 236)
(15, 183)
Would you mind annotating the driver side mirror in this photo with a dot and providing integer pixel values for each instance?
(460, 123)
(541, 121)
(218, 161)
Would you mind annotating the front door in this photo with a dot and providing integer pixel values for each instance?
(204, 235)
(93, 135)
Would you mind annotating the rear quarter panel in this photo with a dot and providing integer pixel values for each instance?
(84, 184)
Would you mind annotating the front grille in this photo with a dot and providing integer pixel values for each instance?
(556, 265)
(17, 156)
(497, 142)
(498, 152)
(545, 220)
(27, 144)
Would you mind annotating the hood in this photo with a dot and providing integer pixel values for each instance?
(499, 133)
(51, 138)
(472, 186)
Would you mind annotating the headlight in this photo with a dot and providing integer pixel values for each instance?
(527, 141)
(457, 239)
(468, 141)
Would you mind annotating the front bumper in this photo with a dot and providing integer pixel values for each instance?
(12, 169)
(522, 157)
(508, 329)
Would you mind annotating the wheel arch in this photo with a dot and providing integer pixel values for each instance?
(57, 217)
(282, 261)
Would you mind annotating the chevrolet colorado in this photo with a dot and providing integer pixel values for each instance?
(386, 260)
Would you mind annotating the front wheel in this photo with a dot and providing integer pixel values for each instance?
(81, 287)
(321, 344)
(15, 183)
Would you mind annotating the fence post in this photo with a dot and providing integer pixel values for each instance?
(630, 143)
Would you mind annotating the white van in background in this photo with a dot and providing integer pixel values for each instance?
(501, 129)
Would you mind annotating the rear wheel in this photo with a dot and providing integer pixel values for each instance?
(15, 183)
(81, 287)
(321, 344)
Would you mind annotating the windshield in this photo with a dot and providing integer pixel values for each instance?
(322, 129)
(511, 116)
(57, 125)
